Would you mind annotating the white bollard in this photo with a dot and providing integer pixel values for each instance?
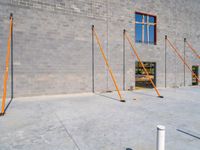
(160, 137)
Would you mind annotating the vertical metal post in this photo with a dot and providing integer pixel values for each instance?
(93, 58)
(12, 71)
(184, 59)
(124, 62)
(165, 61)
(107, 44)
(160, 138)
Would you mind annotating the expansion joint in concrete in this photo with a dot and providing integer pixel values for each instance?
(66, 130)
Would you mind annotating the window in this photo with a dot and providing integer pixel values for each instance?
(145, 28)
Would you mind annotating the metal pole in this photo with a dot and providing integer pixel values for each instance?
(160, 138)
(107, 44)
(12, 71)
(184, 59)
(124, 62)
(165, 61)
(93, 58)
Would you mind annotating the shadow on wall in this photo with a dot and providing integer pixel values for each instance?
(129, 149)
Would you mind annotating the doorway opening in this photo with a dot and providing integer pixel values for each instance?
(141, 79)
(195, 69)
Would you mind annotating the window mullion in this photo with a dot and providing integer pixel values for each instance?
(142, 28)
(148, 29)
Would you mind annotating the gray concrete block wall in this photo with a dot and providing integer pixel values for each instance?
(52, 42)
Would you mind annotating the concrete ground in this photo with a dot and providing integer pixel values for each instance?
(100, 122)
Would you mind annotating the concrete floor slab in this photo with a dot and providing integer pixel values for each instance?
(101, 122)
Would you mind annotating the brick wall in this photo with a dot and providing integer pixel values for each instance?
(52, 42)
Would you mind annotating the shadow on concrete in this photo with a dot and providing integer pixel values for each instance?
(187, 133)
(107, 97)
(8, 104)
(129, 149)
(139, 93)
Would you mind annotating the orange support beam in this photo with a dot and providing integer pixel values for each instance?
(7, 67)
(181, 58)
(136, 54)
(107, 64)
(193, 50)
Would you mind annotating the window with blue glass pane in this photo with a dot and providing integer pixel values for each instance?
(145, 28)
(138, 17)
(138, 29)
(145, 34)
(151, 34)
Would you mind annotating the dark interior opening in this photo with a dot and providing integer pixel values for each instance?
(195, 69)
(141, 79)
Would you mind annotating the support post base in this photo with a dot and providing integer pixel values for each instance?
(2, 114)
(122, 100)
(160, 96)
(109, 91)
